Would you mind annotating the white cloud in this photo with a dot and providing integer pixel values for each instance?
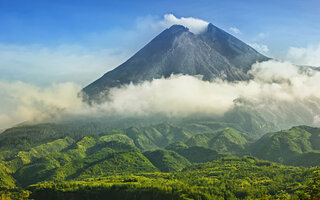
(235, 30)
(195, 25)
(185, 95)
(262, 48)
(305, 56)
(276, 86)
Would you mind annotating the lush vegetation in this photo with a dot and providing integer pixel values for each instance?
(228, 178)
(161, 161)
(90, 156)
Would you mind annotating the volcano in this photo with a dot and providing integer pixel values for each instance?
(212, 54)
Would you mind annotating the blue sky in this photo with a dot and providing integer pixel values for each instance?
(42, 42)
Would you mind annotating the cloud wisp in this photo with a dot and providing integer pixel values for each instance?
(195, 25)
(262, 48)
(305, 55)
(235, 30)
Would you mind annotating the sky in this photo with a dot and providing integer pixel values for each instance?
(49, 50)
(44, 42)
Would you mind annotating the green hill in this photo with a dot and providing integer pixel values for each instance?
(89, 157)
(24, 137)
(297, 146)
(167, 161)
(227, 140)
(25, 157)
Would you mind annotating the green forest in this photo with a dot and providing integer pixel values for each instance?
(199, 160)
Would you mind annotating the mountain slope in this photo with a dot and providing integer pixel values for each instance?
(212, 54)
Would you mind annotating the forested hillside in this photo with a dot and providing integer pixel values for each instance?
(158, 161)
(227, 178)
(296, 146)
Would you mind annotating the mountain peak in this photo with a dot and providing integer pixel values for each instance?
(212, 54)
(178, 28)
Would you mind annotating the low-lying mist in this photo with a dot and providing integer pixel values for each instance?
(278, 88)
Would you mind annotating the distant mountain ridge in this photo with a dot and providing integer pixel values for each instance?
(212, 54)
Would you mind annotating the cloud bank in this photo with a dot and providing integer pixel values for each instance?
(22, 102)
(185, 95)
(276, 85)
